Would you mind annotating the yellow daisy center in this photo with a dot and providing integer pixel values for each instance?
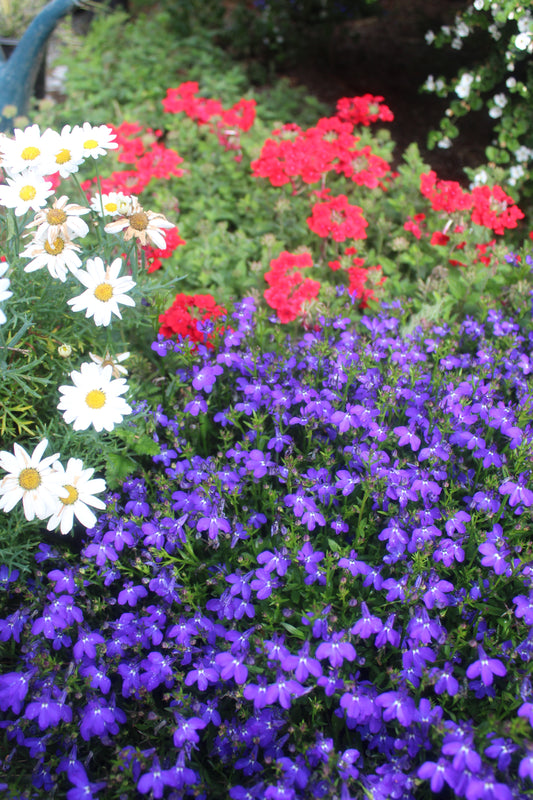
(27, 193)
(95, 398)
(30, 153)
(72, 495)
(90, 144)
(63, 156)
(56, 248)
(103, 292)
(111, 207)
(29, 479)
(56, 216)
(139, 221)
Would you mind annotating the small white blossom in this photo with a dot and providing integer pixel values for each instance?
(445, 143)
(510, 83)
(495, 32)
(522, 41)
(479, 5)
(462, 89)
(480, 179)
(523, 153)
(516, 173)
(430, 37)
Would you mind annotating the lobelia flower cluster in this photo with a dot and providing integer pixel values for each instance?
(321, 587)
(33, 164)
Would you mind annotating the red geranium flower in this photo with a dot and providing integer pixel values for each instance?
(363, 110)
(338, 219)
(183, 316)
(289, 290)
(444, 195)
(494, 209)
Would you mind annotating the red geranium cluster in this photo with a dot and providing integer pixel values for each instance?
(491, 207)
(224, 122)
(183, 316)
(444, 195)
(154, 254)
(150, 158)
(494, 209)
(338, 219)
(289, 289)
(363, 110)
(292, 153)
(358, 275)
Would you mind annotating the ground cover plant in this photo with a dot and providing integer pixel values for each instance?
(290, 557)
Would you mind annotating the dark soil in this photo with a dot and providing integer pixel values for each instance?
(387, 55)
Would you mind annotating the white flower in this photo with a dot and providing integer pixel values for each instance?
(479, 5)
(500, 100)
(113, 361)
(29, 479)
(25, 191)
(65, 151)
(94, 399)
(430, 37)
(27, 151)
(522, 41)
(5, 294)
(112, 204)
(146, 226)
(62, 218)
(523, 153)
(94, 140)
(462, 89)
(515, 173)
(510, 83)
(105, 290)
(444, 143)
(58, 258)
(77, 494)
(480, 179)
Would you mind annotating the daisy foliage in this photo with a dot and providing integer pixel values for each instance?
(45, 231)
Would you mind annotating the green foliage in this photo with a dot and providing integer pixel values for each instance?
(494, 42)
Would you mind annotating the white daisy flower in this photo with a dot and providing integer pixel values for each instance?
(58, 258)
(113, 361)
(105, 290)
(77, 495)
(5, 294)
(65, 151)
(27, 151)
(112, 204)
(62, 218)
(94, 140)
(25, 191)
(94, 399)
(146, 226)
(29, 479)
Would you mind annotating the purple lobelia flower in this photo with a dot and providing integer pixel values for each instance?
(83, 788)
(48, 712)
(486, 668)
(336, 650)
